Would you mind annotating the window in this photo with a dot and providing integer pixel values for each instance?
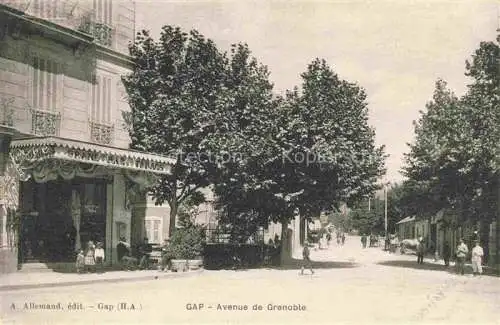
(47, 87)
(47, 8)
(153, 229)
(101, 128)
(101, 100)
(103, 11)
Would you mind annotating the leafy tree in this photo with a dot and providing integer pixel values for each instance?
(455, 156)
(173, 92)
(318, 151)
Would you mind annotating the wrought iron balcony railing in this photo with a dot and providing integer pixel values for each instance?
(45, 123)
(101, 133)
(102, 33)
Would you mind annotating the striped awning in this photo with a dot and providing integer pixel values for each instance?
(31, 151)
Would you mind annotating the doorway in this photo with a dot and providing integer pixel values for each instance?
(59, 217)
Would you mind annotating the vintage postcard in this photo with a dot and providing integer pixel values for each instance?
(249, 162)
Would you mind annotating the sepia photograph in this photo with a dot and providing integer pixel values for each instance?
(249, 162)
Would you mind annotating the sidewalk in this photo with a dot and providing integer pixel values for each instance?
(19, 281)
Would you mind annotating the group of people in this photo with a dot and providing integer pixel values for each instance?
(373, 240)
(461, 254)
(477, 255)
(142, 258)
(90, 259)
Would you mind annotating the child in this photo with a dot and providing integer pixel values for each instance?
(306, 259)
(99, 257)
(90, 257)
(80, 261)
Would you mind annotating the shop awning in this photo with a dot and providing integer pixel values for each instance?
(406, 220)
(27, 153)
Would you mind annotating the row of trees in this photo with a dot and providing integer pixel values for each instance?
(454, 161)
(268, 157)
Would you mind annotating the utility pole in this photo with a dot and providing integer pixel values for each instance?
(369, 203)
(385, 209)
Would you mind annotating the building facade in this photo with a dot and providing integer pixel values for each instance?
(68, 175)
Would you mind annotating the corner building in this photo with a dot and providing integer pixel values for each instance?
(66, 173)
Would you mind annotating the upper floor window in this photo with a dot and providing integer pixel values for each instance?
(103, 11)
(101, 126)
(153, 230)
(101, 100)
(48, 9)
(46, 87)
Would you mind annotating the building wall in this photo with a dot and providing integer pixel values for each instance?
(74, 101)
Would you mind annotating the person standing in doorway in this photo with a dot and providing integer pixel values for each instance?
(446, 253)
(477, 259)
(462, 251)
(306, 260)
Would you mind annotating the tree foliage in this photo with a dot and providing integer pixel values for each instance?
(173, 92)
(455, 155)
(309, 150)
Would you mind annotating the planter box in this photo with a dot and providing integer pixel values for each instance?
(179, 265)
(195, 264)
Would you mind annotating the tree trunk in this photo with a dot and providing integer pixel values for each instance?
(173, 216)
(284, 242)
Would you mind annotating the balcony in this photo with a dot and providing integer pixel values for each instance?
(102, 33)
(69, 13)
(45, 123)
(101, 133)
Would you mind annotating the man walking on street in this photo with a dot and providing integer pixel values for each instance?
(363, 241)
(306, 262)
(446, 253)
(462, 252)
(420, 251)
(477, 259)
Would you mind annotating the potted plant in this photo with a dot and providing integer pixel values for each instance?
(186, 245)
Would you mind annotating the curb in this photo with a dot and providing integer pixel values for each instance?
(92, 281)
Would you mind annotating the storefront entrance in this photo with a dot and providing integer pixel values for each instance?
(59, 217)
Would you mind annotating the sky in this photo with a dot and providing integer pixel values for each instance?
(395, 50)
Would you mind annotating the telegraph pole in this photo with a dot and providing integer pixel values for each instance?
(385, 209)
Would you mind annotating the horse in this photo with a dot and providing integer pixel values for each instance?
(408, 244)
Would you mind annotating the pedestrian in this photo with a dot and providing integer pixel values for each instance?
(166, 255)
(99, 257)
(477, 259)
(363, 241)
(80, 261)
(144, 251)
(420, 251)
(462, 251)
(306, 260)
(446, 253)
(90, 257)
(343, 239)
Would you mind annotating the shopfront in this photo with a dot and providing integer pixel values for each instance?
(73, 192)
